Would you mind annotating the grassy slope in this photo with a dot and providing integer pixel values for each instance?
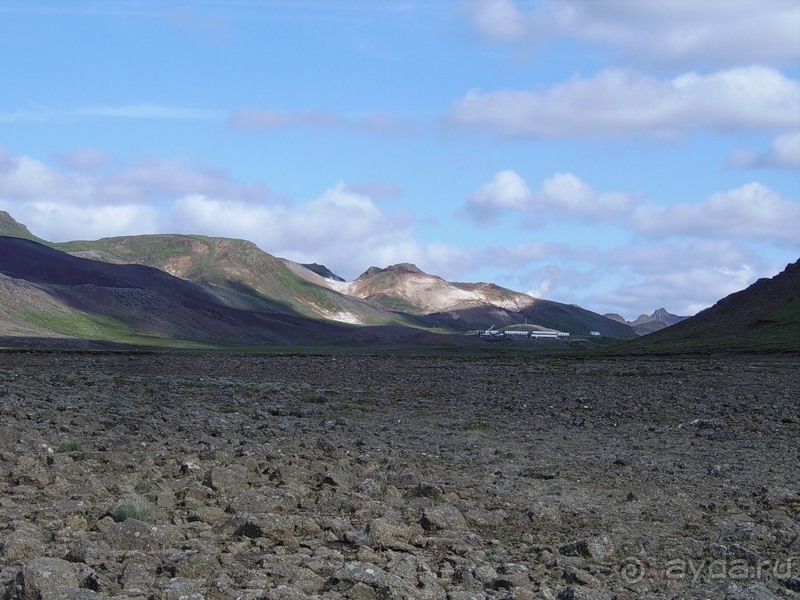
(238, 265)
(10, 228)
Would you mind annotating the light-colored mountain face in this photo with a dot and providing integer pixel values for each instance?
(421, 293)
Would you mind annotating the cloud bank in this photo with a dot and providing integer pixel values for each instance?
(784, 153)
(343, 227)
(680, 32)
(623, 103)
(684, 255)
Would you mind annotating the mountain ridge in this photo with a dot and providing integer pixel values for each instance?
(242, 276)
(645, 324)
(193, 289)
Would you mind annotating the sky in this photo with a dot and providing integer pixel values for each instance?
(622, 155)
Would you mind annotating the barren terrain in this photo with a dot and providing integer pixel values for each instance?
(189, 476)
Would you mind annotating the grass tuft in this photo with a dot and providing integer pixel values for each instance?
(135, 508)
(70, 446)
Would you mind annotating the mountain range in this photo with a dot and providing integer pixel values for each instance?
(215, 276)
(196, 290)
(645, 324)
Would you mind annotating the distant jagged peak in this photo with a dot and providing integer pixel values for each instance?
(398, 268)
(661, 314)
(323, 271)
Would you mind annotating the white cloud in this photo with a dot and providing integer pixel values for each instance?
(683, 276)
(679, 32)
(345, 230)
(575, 197)
(499, 20)
(514, 257)
(619, 103)
(59, 221)
(563, 194)
(83, 159)
(343, 227)
(653, 258)
(684, 256)
(506, 191)
(374, 123)
(129, 111)
(148, 180)
(376, 191)
(227, 218)
(682, 292)
(218, 29)
(752, 211)
(25, 179)
(548, 282)
(149, 111)
(784, 153)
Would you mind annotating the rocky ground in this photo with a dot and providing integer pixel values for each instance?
(181, 477)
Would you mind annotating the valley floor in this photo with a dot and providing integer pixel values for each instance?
(398, 477)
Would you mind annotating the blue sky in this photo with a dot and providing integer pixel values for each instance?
(617, 154)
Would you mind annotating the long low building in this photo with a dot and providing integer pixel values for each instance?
(496, 334)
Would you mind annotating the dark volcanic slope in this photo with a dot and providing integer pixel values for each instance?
(765, 316)
(144, 301)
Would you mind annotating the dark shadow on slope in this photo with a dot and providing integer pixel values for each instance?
(151, 301)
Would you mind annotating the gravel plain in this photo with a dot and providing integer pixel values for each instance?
(450, 476)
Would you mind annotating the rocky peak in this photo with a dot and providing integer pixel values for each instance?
(615, 317)
(323, 271)
(398, 268)
(660, 315)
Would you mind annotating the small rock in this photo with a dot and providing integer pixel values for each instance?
(133, 534)
(43, 577)
(179, 588)
(542, 472)
(139, 573)
(385, 534)
(445, 516)
(580, 577)
(26, 541)
(268, 525)
(337, 479)
(227, 479)
(510, 575)
(582, 593)
(595, 549)
(88, 552)
(752, 592)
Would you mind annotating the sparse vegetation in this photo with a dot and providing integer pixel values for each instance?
(135, 507)
(473, 426)
(70, 446)
(142, 485)
(316, 398)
